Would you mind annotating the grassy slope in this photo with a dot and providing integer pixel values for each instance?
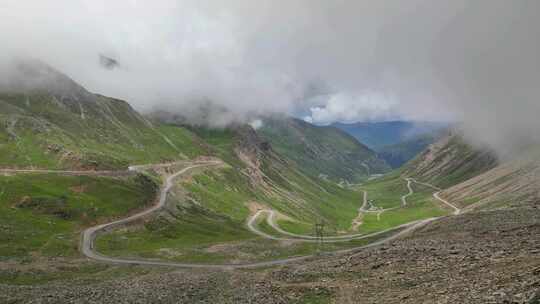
(398, 154)
(449, 161)
(382, 134)
(119, 136)
(38, 130)
(216, 199)
(386, 192)
(213, 211)
(321, 150)
(513, 183)
(95, 132)
(42, 214)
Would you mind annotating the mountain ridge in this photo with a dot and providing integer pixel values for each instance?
(451, 160)
(322, 150)
(377, 135)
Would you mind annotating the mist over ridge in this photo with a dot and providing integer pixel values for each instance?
(474, 62)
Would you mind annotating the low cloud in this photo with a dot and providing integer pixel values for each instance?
(351, 108)
(474, 61)
(256, 124)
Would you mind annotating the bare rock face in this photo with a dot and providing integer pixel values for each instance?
(253, 151)
(250, 143)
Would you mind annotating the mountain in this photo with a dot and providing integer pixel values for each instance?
(50, 121)
(321, 151)
(450, 160)
(62, 125)
(474, 178)
(398, 154)
(377, 135)
(512, 184)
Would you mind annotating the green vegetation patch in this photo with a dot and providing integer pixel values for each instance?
(417, 209)
(173, 236)
(207, 224)
(386, 192)
(320, 149)
(43, 214)
(41, 131)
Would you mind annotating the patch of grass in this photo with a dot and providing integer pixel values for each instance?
(208, 226)
(323, 200)
(225, 192)
(297, 227)
(45, 133)
(417, 209)
(189, 228)
(319, 296)
(386, 191)
(263, 226)
(43, 214)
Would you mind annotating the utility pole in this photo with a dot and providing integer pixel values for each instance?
(319, 234)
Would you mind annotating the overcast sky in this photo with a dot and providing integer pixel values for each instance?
(474, 61)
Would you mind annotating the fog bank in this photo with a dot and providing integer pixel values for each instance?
(472, 61)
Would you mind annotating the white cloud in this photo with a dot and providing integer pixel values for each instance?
(256, 124)
(350, 108)
(476, 58)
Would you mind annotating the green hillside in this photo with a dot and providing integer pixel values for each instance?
(65, 126)
(321, 151)
(449, 161)
(60, 125)
(377, 135)
(512, 183)
(210, 207)
(41, 215)
(398, 154)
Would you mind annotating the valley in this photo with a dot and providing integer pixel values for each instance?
(116, 243)
(114, 203)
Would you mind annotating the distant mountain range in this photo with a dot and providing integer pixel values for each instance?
(377, 135)
(395, 141)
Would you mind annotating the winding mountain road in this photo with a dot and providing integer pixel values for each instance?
(411, 191)
(309, 238)
(436, 195)
(271, 220)
(456, 209)
(88, 236)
